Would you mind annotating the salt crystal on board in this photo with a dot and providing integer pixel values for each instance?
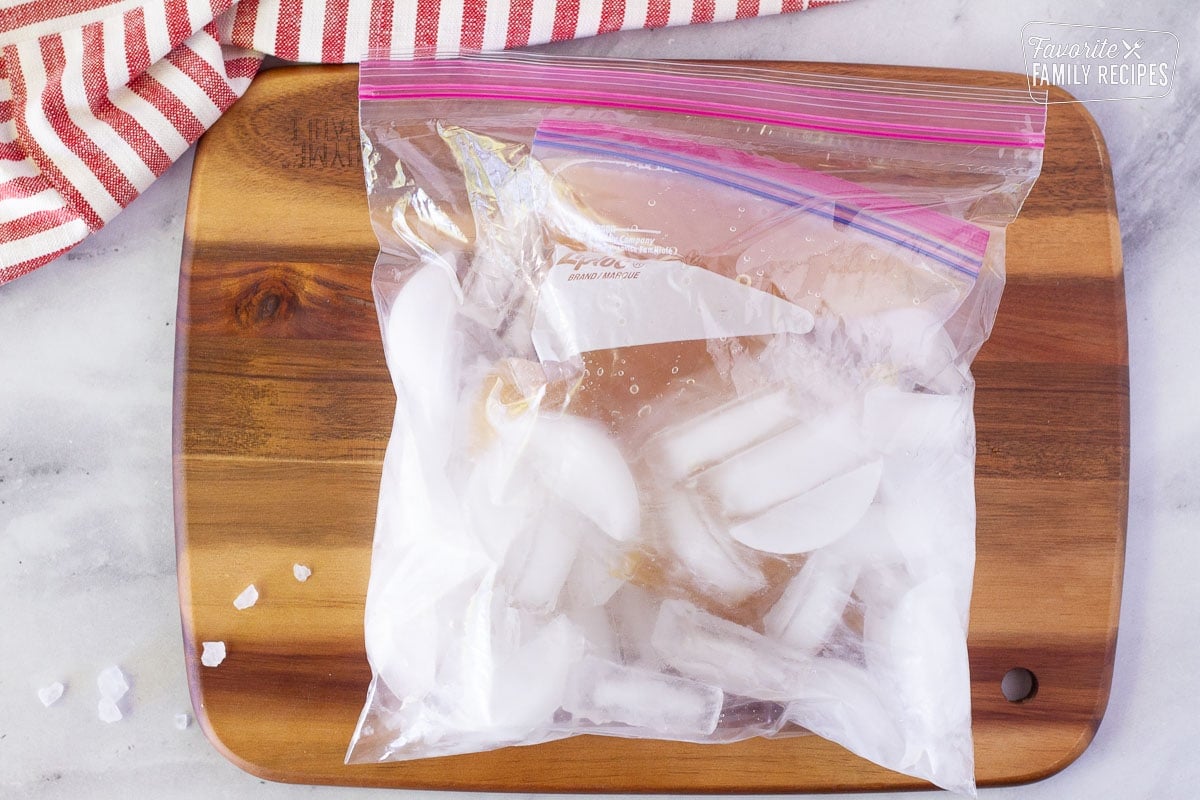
(213, 655)
(49, 695)
(247, 598)
(301, 572)
(112, 684)
(108, 711)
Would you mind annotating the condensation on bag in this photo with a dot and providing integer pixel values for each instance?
(683, 445)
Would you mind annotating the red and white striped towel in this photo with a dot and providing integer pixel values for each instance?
(99, 97)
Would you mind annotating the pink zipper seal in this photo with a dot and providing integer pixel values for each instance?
(818, 108)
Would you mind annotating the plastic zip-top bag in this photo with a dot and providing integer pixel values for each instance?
(683, 445)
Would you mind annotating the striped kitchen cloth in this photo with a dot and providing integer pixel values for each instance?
(99, 97)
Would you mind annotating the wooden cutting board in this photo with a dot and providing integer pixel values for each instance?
(283, 406)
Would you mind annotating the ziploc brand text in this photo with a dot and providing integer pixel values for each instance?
(602, 267)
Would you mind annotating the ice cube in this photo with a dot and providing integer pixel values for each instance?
(544, 570)
(539, 456)
(708, 557)
(915, 341)
(422, 351)
(405, 621)
(930, 513)
(712, 437)
(539, 563)
(633, 611)
(721, 653)
(664, 706)
(815, 518)
(213, 655)
(49, 695)
(416, 496)
(471, 633)
(403, 644)
(812, 605)
(918, 649)
(501, 495)
(182, 721)
(843, 703)
(596, 625)
(879, 586)
(869, 542)
(246, 599)
(580, 463)
(112, 684)
(786, 465)
(921, 643)
(531, 684)
(301, 572)
(598, 572)
(915, 422)
(108, 710)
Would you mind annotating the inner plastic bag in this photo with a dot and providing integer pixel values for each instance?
(684, 444)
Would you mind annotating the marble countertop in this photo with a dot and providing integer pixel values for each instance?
(87, 558)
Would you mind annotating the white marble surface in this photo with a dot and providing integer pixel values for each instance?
(86, 543)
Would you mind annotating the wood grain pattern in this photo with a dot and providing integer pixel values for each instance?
(284, 405)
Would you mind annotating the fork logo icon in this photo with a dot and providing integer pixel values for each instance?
(1132, 49)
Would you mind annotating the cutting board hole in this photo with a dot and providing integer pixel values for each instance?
(1019, 685)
